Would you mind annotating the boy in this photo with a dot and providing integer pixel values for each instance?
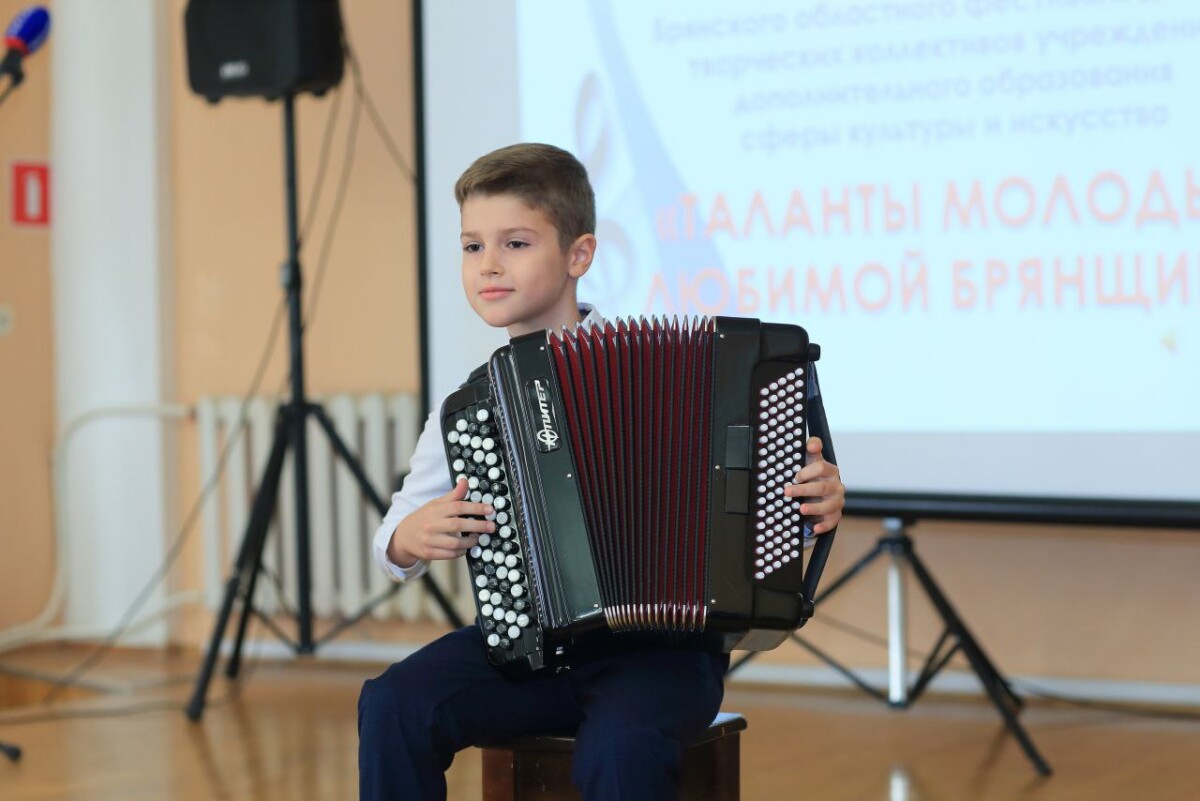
(528, 223)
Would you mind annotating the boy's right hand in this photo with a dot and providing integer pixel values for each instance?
(432, 532)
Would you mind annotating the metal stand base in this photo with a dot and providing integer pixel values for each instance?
(955, 637)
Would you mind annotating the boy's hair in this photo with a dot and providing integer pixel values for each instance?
(546, 177)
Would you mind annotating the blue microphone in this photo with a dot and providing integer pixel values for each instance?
(26, 33)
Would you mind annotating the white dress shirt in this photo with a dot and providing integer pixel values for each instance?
(429, 478)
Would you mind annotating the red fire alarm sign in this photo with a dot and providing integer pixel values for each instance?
(30, 193)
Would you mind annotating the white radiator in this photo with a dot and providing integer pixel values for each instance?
(381, 430)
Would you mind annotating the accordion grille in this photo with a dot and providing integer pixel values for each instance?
(638, 397)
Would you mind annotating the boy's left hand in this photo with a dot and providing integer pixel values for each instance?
(820, 483)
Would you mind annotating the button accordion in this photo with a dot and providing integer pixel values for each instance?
(637, 471)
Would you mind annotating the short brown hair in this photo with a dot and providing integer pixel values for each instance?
(546, 177)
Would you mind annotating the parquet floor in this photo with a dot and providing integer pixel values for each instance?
(288, 732)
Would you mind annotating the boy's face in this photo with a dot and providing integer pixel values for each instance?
(514, 272)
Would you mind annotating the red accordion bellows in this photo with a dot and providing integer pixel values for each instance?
(637, 397)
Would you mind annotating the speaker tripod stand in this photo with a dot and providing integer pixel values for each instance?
(901, 694)
(290, 434)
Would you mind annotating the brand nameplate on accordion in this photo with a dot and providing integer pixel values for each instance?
(547, 436)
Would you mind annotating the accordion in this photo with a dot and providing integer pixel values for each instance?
(637, 472)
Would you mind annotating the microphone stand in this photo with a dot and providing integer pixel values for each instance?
(11, 66)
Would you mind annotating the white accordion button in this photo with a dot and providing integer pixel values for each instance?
(452, 437)
(481, 581)
(502, 572)
(489, 443)
(501, 503)
(476, 442)
(477, 457)
(513, 632)
(491, 458)
(510, 561)
(502, 517)
(484, 594)
(486, 610)
(475, 552)
(485, 540)
(487, 555)
(498, 614)
(495, 599)
(458, 466)
(476, 496)
(498, 558)
(482, 415)
(493, 640)
(517, 590)
(505, 531)
(488, 497)
(473, 483)
(461, 425)
(493, 473)
(514, 575)
(522, 620)
(510, 617)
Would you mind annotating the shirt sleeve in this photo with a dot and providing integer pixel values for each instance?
(427, 479)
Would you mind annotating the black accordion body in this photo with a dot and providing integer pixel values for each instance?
(637, 473)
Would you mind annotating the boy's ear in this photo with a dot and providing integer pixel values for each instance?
(580, 254)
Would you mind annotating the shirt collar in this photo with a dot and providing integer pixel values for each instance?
(591, 317)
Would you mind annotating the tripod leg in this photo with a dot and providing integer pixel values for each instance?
(1001, 693)
(241, 581)
(364, 484)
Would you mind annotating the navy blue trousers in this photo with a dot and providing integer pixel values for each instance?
(629, 711)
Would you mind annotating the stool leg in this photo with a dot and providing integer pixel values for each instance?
(499, 775)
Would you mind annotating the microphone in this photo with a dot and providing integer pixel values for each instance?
(26, 33)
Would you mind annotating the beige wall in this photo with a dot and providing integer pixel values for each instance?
(1059, 602)
(26, 353)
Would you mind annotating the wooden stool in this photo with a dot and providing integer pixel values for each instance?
(538, 768)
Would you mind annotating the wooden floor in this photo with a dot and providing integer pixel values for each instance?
(289, 733)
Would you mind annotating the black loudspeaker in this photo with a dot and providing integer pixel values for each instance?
(263, 48)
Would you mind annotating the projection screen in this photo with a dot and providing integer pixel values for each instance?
(985, 212)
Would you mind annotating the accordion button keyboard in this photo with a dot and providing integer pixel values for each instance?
(476, 454)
